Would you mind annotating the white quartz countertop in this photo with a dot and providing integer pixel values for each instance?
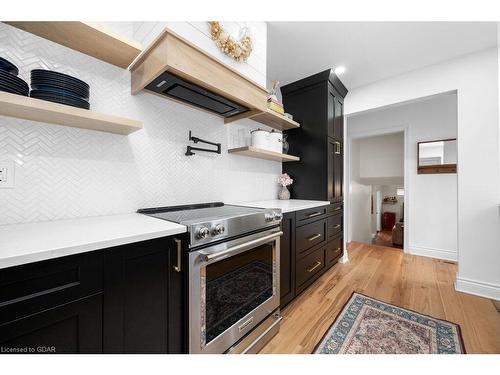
(288, 205)
(32, 242)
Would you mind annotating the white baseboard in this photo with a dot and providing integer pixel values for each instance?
(344, 258)
(434, 253)
(478, 288)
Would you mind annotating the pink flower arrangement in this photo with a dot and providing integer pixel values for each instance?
(285, 180)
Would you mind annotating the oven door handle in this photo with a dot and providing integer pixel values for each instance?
(209, 257)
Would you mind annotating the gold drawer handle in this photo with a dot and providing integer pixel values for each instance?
(338, 249)
(336, 226)
(337, 208)
(314, 214)
(312, 238)
(337, 148)
(314, 267)
(178, 266)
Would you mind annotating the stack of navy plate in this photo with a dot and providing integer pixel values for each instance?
(9, 81)
(59, 88)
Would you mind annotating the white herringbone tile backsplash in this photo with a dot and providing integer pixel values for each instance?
(64, 172)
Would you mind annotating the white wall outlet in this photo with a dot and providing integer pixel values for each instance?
(6, 174)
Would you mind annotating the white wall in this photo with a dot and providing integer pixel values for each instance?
(475, 78)
(64, 172)
(382, 156)
(432, 199)
(359, 228)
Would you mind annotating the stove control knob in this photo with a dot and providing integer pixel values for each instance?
(218, 229)
(269, 216)
(277, 215)
(202, 233)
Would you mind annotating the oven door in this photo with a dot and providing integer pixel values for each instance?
(233, 286)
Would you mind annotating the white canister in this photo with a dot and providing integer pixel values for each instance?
(260, 138)
(276, 141)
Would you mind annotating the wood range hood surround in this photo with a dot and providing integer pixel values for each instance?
(171, 53)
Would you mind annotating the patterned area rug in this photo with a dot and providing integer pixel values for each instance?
(369, 326)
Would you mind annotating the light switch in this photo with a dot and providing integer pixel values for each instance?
(6, 174)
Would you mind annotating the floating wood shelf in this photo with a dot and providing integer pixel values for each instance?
(259, 153)
(27, 108)
(275, 120)
(88, 38)
(269, 118)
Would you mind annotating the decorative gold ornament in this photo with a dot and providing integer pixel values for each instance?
(240, 51)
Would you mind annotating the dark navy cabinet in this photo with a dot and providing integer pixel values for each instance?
(126, 299)
(311, 244)
(317, 103)
(143, 298)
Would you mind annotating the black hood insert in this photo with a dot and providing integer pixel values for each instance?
(170, 85)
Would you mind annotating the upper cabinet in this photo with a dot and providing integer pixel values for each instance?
(317, 103)
(335, 115)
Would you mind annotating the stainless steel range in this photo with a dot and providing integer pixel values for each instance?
(233, 263)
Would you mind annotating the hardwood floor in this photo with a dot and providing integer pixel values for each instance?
(384, 238)
(422, 284)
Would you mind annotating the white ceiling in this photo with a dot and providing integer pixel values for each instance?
(370, 51)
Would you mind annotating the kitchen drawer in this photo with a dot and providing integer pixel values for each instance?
(333, 250)
(33, 287)
(308, 267)
(310, 235)
(334, 225)
(334, 208)
(74, 327)
(309, 215)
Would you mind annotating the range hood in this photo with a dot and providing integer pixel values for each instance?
(174, 68)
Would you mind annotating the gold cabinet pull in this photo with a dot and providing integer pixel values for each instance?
(178, 267)
(314, 214)
(337, 148)
(318, 263)
(336, 226)
(337, 208)
(312, 238)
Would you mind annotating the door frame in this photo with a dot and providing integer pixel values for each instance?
(406, 129)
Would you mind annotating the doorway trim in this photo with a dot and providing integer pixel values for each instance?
(406, 129)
